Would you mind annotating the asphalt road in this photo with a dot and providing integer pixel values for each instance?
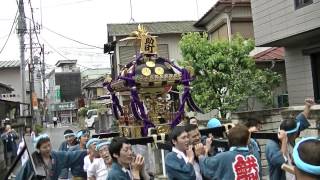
(56, 134)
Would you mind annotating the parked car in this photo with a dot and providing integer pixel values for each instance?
(92, 114)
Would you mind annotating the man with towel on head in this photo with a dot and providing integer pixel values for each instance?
(70, 140)
(100, 167)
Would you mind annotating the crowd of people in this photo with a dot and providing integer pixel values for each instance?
(288, 158)
(193, 157)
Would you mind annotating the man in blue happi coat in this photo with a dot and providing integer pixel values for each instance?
(70, 140)
(280, 153)
(237, 163)
(194, 138)
(51, 162)
(180, 161)
(77, 171)
(125, 165)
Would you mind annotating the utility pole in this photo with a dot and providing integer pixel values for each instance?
(31, 75)
(43, 84)
(22, 27)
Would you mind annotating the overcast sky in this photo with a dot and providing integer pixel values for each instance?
(86, 21)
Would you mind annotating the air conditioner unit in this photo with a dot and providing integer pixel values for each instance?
(283, 100)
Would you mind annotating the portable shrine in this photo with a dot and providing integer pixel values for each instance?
(152, 82)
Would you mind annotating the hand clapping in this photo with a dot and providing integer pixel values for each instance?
(190, 154)
(199, 150)
(138, 163)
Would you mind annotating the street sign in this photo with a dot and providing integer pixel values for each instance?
(64, 106)
(34, 101)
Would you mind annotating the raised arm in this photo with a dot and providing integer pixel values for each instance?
(302, 117)
(308, 103)
(208, 165)
(15, 134)
(71, 158)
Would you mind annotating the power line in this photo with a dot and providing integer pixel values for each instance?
(68, 47)
(63, 36)
(54, 49)
(66, 4)
(72, 39)
(86, 53)
(84, 66)
(13, 23)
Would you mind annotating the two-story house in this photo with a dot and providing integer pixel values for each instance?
(10, 75)
(64, 90)
(225, 19)
(295, 25)
(91, 85)
(94, 92)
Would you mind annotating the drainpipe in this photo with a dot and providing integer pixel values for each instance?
(228, 26)
(228, 18)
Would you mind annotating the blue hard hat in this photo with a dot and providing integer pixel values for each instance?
(214, 122)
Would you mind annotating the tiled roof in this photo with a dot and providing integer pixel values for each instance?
(6, 87)
(154, 28)
(272, 54)
(93, 83)
(86, 83)
(9, 64)
(61, 62)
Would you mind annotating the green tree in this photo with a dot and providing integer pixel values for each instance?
(225, 74)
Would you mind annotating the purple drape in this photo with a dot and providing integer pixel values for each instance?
(186, 96)
(115, 101)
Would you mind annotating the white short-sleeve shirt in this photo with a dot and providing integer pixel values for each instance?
(98, 169)
(86, 163)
